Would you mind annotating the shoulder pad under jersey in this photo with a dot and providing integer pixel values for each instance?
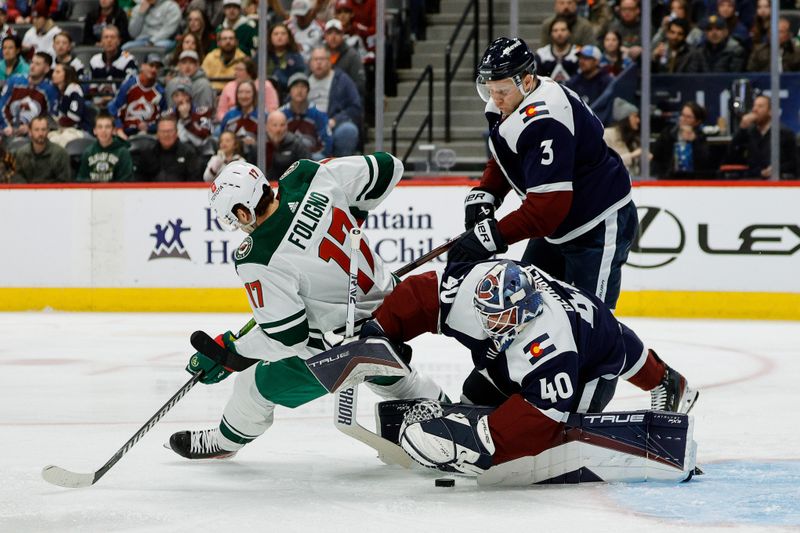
(548, 101)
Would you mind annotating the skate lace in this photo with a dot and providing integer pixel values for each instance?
(204, 441)
(658, 398)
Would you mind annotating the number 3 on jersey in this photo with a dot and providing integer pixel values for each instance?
(328, 249)
(547, 151)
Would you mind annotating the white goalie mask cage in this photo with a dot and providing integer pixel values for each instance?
(239, 182)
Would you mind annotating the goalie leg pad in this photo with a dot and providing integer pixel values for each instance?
(452, 444)
(349, 364)
(632, 446)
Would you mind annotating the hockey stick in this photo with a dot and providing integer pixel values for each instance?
(346, 401)
(388, 452)
(65, 478)
(433, 254)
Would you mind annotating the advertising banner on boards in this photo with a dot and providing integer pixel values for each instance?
(740, 239)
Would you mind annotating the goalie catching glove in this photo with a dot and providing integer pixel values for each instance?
(478, 205)
(213, 372)
(481, 243)
(452, 443)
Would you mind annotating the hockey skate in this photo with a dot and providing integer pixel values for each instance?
(201, 444)
(673, 394)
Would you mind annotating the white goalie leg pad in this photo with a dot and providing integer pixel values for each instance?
(413, 385)
(452, 444)
(247, 414)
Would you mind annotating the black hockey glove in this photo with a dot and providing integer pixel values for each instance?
(478, 205)
(481, 243)
(371, 328)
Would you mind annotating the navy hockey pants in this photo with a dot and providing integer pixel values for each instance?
(592, 261)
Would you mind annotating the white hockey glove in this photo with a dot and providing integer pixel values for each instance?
(451, 444)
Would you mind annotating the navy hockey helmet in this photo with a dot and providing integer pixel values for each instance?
(505, 300)
(505, 58)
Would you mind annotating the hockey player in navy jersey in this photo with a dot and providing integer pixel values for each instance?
(542, 350)
(547, 146)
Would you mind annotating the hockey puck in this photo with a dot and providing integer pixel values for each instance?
(445, 482)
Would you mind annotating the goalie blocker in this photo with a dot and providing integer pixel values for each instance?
(633, 446)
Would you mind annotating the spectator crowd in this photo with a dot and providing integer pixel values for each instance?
(586, 45)
(166, 90)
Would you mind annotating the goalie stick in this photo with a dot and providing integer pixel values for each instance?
(346, 400)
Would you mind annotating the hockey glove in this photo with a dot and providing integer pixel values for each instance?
(371, 328)
(479, 244)
(213, 372)
(453, 443)
(478, 205)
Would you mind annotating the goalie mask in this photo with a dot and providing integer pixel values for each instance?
(505, 300)
(239, 183)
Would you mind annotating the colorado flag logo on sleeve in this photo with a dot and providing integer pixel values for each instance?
(533, 110)
(539, 347)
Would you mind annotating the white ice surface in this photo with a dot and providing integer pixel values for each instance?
(75, 387)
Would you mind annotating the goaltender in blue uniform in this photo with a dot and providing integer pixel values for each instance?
(547, 146)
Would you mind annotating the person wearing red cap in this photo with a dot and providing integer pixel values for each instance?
(355, 35)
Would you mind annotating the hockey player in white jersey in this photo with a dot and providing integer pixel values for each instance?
(542, 350)
(547, 146)
(294, 264)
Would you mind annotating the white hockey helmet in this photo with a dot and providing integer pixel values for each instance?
(239, 183)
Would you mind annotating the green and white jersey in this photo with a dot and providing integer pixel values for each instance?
(295, 265)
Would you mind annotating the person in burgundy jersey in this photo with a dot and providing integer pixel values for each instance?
(542, 350)
(547, 146)
(26, 97)
(140, 101)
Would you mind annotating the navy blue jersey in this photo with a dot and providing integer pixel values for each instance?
(574, 341)
(553, 142)
(557, 68)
